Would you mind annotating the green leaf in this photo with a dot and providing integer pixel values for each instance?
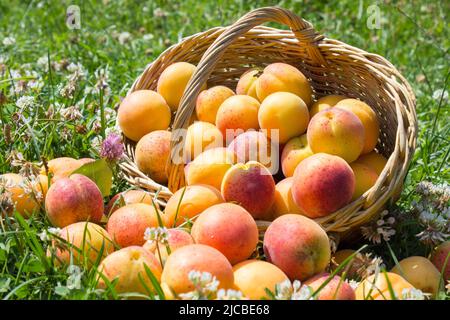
(100, 172)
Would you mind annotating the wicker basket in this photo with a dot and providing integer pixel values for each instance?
(222, 54)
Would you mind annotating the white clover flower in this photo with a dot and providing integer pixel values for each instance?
(46, 234)
(148, 36)
(77, 68)
(412, 294)
(71, 113)
(124, 37)
(303, 293)
(437, 94)
(205, 285)
(158, 234)
(74, 279)
(9, 41)
(42, 62)
(25, 102)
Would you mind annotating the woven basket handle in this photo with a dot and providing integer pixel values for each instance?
(305, 34)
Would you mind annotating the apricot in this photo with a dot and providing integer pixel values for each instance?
(142, 112)
(253, 277)
(322, 184)
(284, 202)
(188, 202)
(376, 287)
(247, 83)
(87, 243)
(365, 178)
(368, 118)
(374, 160)
(237, 114)
(209, 101)
(283, 77)
(295, 151)
(325, 103)
(209, 167)
(335, 289)
(420, 272)
(73, 199)
(338, 132)
(152, 153)
(284, 112)
(128, 197)
(177, 238)
(126, 269)
(201, 136)
(298, 246)
(254, 145)
(63, 167)
(196, 257)
(127, 225)
(25, 194)
(229, 228)
(173, 81)
(441, 259)
(250, 185)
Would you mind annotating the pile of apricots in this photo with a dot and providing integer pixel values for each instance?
(233, 147)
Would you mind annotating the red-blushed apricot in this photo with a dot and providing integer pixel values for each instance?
(86, 240)
(365, 178)
(127, 225)
(152, 153)
(298, 246)
(284, 202)
(373, 160)
(368, 118)
(142, 112)
(247, 83)
(338, 132)
(128, 197)
(420, 272)
(209, 167)
(196, 257)
(335, 289)
(229, 228)
(255, 146)
(378, 287)
(250, 185)
(73, 199)
(209, 101)
(23, 194)
(322, 184)
(295, 151)
(173, 81)
(176, 239)
(253, 277)
(278, 77)
(125, 270)
(201, 136)
(188, 202)
(325, 103)
(441, 259)
(284, 112)
(237, 114)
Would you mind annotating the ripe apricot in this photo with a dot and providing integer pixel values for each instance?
(141, 112)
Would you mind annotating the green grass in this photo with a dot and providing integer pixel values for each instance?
(413, 36)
